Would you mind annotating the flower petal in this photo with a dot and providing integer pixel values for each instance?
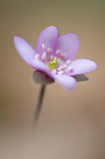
(66, 81)
(39, 65)
(48, 37)
(28, 54)
(24, 49)
(80, 66)
(68, 44)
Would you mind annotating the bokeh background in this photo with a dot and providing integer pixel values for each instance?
(71, 124)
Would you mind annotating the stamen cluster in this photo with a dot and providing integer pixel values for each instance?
(57, 63)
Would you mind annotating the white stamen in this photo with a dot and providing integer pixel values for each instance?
(60, 72)
(54, 71)
(58, 59)
(43, 46)
(37, 56)
(70, 69)
(64, 66)
(61, 63)
(68, 62)
(55, 59)
(49, 50)
(60, 68)
(58, 52)
(51, 57)
(44, 56)
(63, 56)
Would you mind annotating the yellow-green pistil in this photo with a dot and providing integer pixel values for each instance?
(53, 63)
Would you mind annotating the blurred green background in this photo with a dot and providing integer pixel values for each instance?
(71, 124)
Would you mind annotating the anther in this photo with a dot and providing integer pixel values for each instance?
(58, 52)
(54, 71)
(43, 46)
(49, 50)
(68, 62)
(44, 56)
(51, 57)
(60, 68)
(70, 69)
(64, 66)
(37, 56)
(55, 59)
(63, 56)
(61, 62)
(60, 72)
(58, 59)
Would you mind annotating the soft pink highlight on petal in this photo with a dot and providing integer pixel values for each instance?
(65, 81)
(48, 37)
(82, 66)
(24, 49)
(69, 44)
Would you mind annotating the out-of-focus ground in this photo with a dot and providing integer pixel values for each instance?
(71, 124)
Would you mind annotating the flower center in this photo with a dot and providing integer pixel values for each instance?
(56, 63)
(53, 63)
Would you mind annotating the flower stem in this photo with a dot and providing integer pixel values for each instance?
(38, 106)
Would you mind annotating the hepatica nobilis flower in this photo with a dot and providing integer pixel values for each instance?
(55, 56)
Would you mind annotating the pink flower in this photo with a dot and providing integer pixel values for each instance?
(54, 55)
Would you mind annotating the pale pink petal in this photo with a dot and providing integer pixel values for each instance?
(24, 49)
(40, 66)
(66, 81)
(48, 38)
(28, 54)
(80, 66)
(68, 44)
